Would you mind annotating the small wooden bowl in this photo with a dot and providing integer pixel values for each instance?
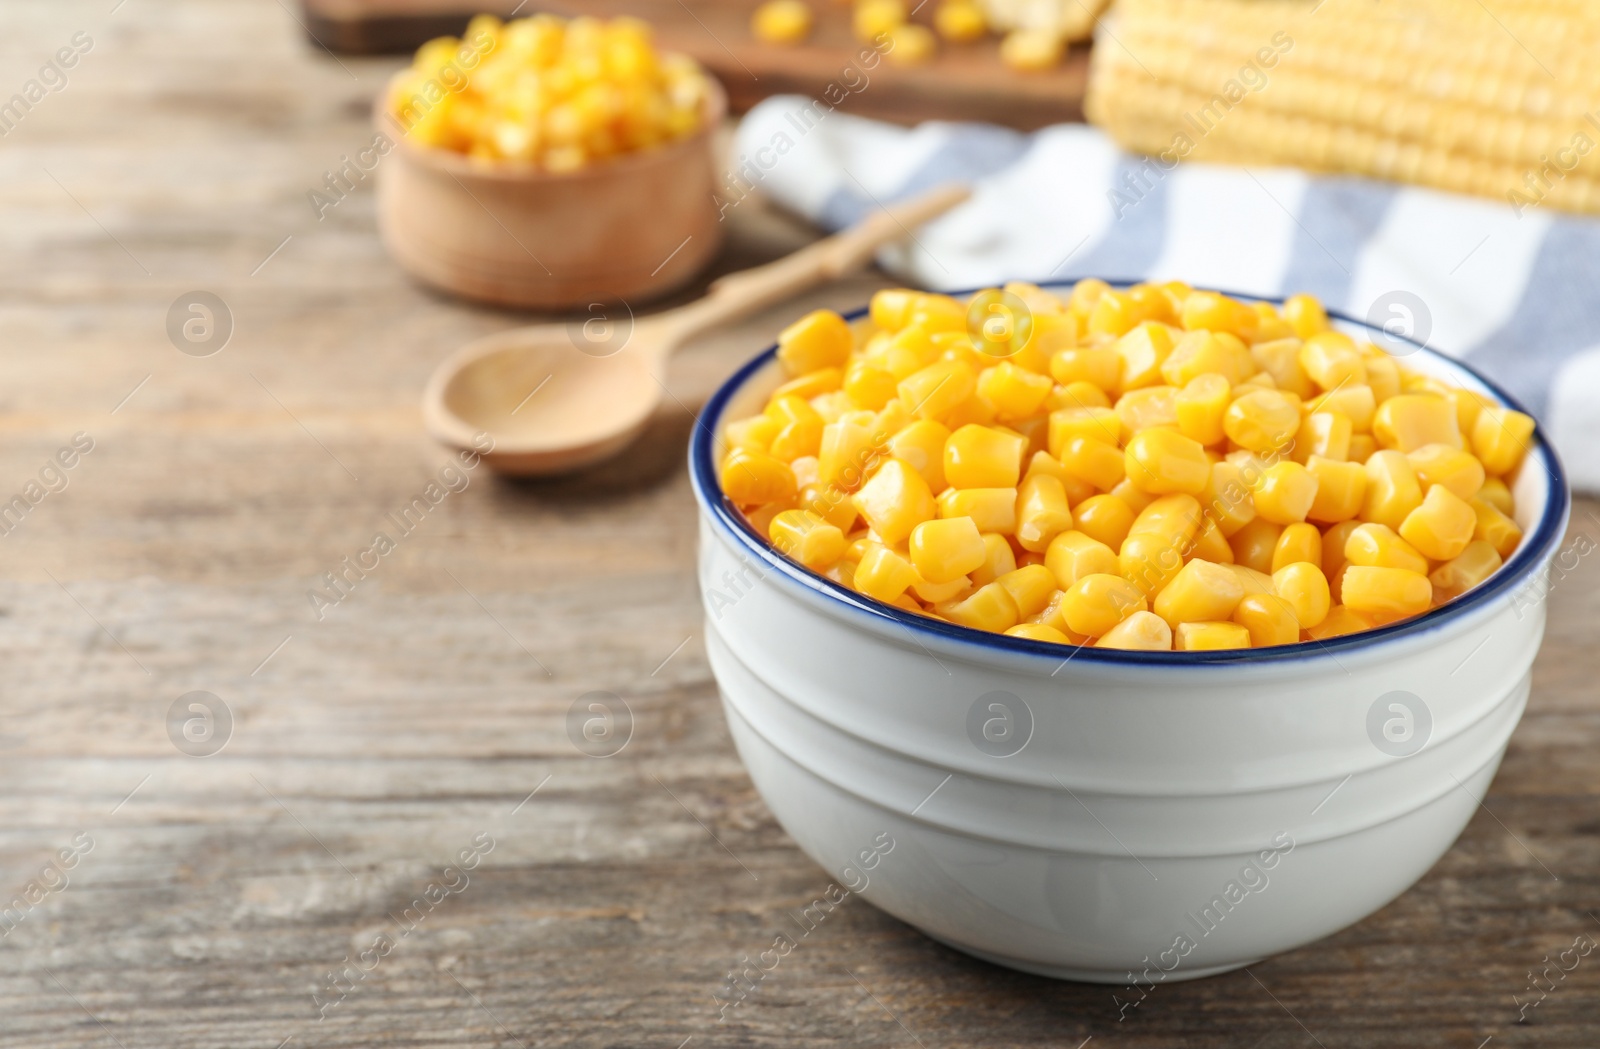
(628, 229)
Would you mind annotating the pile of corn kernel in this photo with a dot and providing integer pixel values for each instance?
(544, 91)
(1155, 468)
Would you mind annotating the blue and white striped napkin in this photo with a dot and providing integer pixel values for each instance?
(1517, 295)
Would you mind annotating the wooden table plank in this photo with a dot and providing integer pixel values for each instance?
(373, 746)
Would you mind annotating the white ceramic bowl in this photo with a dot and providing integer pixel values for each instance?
(1116, 817)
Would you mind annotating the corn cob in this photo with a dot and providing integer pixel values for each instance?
(1438, 92)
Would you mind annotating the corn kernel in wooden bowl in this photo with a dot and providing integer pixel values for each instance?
(1153, 468)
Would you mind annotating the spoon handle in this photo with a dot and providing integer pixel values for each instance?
(738, 294)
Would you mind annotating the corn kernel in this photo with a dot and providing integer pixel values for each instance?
(1411, 420)
(1501, 437)
(1077, 394)
(1332, 360)
(1305, 588)
(1149, 561)
(1218, 313)
(1204, 353)
(946, 549)
(1147, 408)
(1467, 569)
(1269, 619)
(1333, 559)
(1140, 632)
(1285, 493)
(1200, 591)
(1374, 545)
(1340, 621)
(1177, 517)
(1201, 405)
(922, 445)
(1355, 402)
(781, 22)
(1135, 498)
(754, 434)
(752, 478)
(990, 607)
(1011, 391)
(1097, 603)
(1162, 461)
(1442, 526)
(1227, 499)
(831, 504)
(874, 18)
(1105, 519)
(1095, 462)
(1255, 543)
(1263, 421)
(1031, 50)
(869, 387)
(1305, 315)
(1031, 587)
(1099, 367)
(895, 500)
(1440, 464)
(1392, 488)
(998, 560)
(1383, 375)
(807, 538)
(1211, 545)
(820, 339)
(1341, 490)
(1325, 434)
(1143, 350)
(1073, 555)
(849, 450)
(1114, 313)
(1298, 542)
(1279, 360)
(934, 392)
(1386, 592)
(1077, 490)
(884, 574)
(1361, 447)
(1039, 632)
(1494, 527)
(1042, 512)
(1099, 424)
(942, 593)
(1496, 494)
(960, 21)
(1202, 637)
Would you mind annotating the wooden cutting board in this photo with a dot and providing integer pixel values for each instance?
(964, 82)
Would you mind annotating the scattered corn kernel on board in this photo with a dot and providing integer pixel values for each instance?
(960, 82)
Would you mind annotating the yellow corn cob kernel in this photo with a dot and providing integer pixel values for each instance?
(1339, 622)
(1440, 464)
(1142, 351)
(1298, 542)
(1386, 592)
(1032, 50)
(1203, 352)
(1101, 367)
(1100, 424)
(1262, 421)
(1114, 313)
(1468, 404)
(960, 21)
(842, 572)
(805, 471)
(1279, 360)
(1211, 545)
(909, 350)
(1073, 555)
(754, 434)
(983, 457)
(1333, 544)
(752, 478)
(1227, 499)
(1326, 434)
(1285, 493)
(1137, 500)
(1332, 360)
(1373, 545)
(1306, 589)
(938, 313)
(1085, 295)
(991, 509)
(998, 560)
(883, 574)
(1077, 394)
(781, 22)
(1269, 619)
(1392, 488)
(807, 538)
(1272, 326)
(1177, 516)
(895, 500)
(1253, 581)
(760, 517)
(1361, 447)
(891, 308)
(1341, 490)
(1442, 526)
(802, 429)
(1494, 527)
(1218, 313)
(869, 387)
(849, 450)
(1501, 437)
(831, 504)
(937, 390)
(1202, 637)
(942, 593)
(1095, 462)
(970, 412)
(1042, 512)
(922, 445)
(1141, 632)
(1466, 570)
(1411, 420)
(833, 406)
(1255, 543)
(1147, 408)
(1031, 587)
(1077, 490)
(1163, 461)
(1383, 375)
(1105, 519)
(874, 18)
(812, 384)
(1496, 494)
(946, 549)
(1305, 315)
(1354, 401)
(1011, 391)
(910, 44)
(1201, 405)
(1149, 561)
(989, 608)
(1039, 632)
(1097, 603)
(1199, 592)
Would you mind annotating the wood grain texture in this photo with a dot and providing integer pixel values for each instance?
(374, 745)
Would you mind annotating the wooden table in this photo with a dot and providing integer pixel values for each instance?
(209, 897)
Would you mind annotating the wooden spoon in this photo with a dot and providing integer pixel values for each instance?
(559, 397)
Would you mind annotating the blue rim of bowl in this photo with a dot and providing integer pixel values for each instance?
(1532, 552)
